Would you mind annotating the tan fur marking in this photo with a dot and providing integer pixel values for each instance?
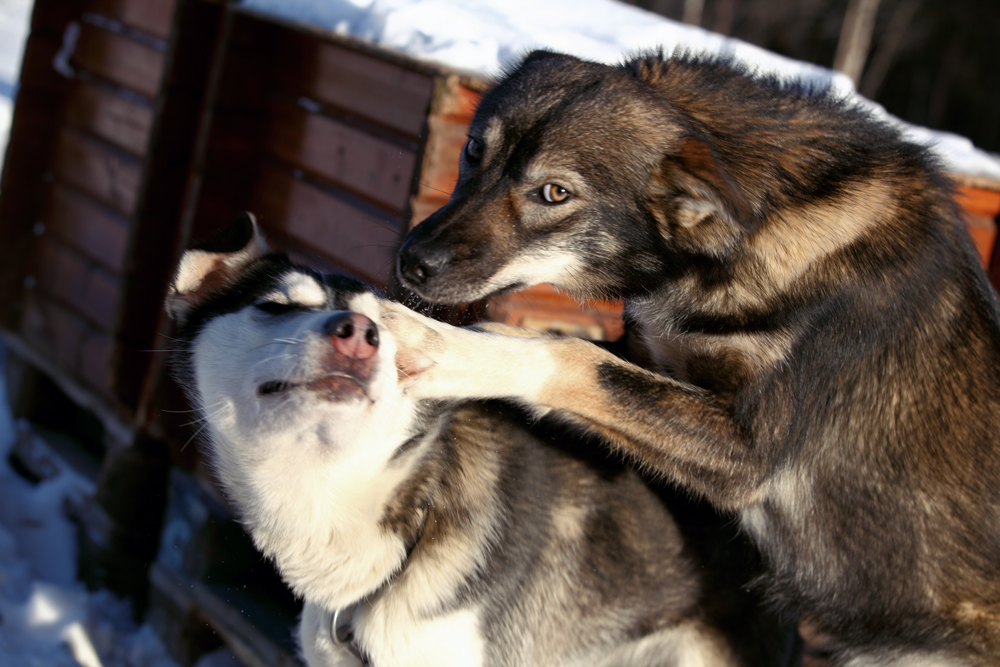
(793, 241)
(983, 623)
(492, 137)
(575, 386)
(760, 352)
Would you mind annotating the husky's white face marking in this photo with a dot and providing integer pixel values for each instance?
(298, 288)
(305, 457)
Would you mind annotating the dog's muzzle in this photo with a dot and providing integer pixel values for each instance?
(348, 364)
(416, 265)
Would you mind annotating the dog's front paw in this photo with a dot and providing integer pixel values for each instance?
(430, 355)
(417, 341)
(437, 360)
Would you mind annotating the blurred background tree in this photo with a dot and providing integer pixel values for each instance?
(932, 63)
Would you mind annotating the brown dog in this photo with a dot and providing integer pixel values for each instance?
(826, 346)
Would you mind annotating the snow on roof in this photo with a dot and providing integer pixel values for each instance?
(482, 37)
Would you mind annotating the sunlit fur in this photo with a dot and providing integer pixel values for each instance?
(819, 344)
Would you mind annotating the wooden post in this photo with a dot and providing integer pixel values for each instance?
(855, 38)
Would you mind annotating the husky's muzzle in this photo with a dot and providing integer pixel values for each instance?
(345, 366)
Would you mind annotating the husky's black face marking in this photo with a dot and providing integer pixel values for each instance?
(274, 387)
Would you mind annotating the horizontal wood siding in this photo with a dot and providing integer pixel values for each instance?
(357, 237)
(68, 339)
(119, 59)
(100, 111)
(94, 181)
(366, 165)
(93, 167)
(94, 230)
(153, 17)
(83, 286)
(379, 91)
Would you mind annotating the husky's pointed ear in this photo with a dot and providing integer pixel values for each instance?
(208, 266)
(697, 202)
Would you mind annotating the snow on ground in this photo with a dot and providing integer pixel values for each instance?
(484, 36)
(47, 617)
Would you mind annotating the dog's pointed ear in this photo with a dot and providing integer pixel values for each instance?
(205, 268)
(697, 202)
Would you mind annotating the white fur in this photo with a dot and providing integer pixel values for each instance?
(299, 288)
(311, 477)
(452, 640)
(688, 645)
(553, 267)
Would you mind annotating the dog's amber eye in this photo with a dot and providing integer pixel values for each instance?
(554, 194)
(474, 149)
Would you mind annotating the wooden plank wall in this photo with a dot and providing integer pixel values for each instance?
(92, 182)
(320, 140)
(39, 108)
(94, 178)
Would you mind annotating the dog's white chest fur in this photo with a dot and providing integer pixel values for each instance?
(397, 638)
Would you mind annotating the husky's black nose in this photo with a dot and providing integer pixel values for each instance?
(416, 265)
(352, 334)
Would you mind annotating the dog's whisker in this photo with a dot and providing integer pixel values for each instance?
(207, 415)
(185, 412)
(193, 436)
(431, 187)
(280, 341)
(205, 424)
(274, 358)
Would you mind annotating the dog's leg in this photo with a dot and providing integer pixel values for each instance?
(672, 427)
(510, 330)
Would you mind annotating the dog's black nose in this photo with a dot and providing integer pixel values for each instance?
(352, 334)
(416, 266)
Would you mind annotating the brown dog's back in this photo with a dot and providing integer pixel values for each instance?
(826, 344)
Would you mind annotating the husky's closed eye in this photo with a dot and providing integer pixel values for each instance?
(278, 307)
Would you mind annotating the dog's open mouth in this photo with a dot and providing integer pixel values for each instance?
(274, 387)
(333, 386)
